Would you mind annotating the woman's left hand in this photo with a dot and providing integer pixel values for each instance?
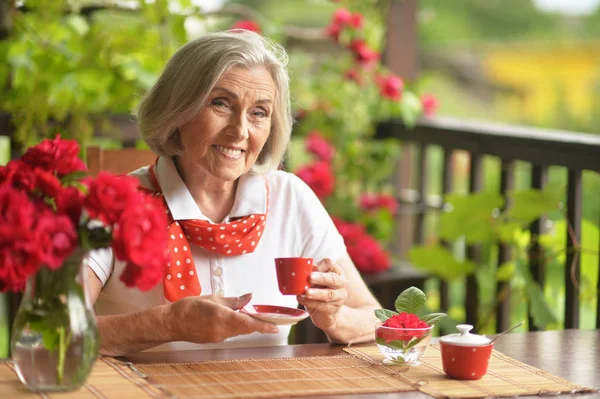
(327, 294)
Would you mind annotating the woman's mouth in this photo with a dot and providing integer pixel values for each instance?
(229, 153)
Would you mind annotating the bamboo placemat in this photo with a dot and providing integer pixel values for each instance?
(108, 380)
(272, 378)
(505, 377)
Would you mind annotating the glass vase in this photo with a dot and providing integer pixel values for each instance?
(55, 339)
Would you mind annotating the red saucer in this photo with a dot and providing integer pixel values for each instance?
(280, 315)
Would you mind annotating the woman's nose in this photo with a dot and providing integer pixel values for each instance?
(239, 126)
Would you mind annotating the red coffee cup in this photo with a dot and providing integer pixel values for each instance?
(292, 274)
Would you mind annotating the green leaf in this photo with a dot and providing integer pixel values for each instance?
(391, 344)
(539, 309)
(411, 300)
(415, 341)
(78, 23)
(506, 231)
(432, 318)
(74, 176)
(384, 314)
(95, 237)
(529, 205)
(506, 271)
(470, 216)
(410, 108)
(440, 262)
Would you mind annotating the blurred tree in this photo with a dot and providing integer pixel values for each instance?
(475, 20)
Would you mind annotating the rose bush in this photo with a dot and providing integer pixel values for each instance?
(339, 101)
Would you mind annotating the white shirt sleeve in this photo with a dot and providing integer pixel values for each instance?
(101, 261)
(320, 237)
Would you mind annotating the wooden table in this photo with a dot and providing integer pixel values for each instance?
(570, 354)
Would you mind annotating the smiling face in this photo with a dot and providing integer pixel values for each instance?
(226, 137)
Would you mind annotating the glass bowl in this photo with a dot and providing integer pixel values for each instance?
(402, 345)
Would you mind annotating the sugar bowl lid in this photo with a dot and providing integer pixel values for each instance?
(465, 338)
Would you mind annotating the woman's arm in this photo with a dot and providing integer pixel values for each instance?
(204, 319)
(341, 303)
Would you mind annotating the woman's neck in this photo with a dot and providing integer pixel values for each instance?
(214, 197)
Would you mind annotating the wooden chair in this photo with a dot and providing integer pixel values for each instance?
(117, 161)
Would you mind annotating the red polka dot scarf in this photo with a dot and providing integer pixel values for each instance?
(228, 239)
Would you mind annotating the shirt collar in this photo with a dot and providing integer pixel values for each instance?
(250, 196)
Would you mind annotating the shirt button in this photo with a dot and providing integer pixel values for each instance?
(218, 271)
(220, 293)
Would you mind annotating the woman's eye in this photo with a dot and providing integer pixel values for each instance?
(260, 113)
(219, 102)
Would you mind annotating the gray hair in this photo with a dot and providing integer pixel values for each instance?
(189, 77)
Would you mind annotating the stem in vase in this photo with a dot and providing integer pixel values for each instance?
(62, 351)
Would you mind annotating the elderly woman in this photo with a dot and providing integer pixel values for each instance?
(219, 116)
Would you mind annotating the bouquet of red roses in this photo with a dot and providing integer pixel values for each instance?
(49, 209)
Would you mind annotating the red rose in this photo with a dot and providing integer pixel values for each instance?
(69, 202)
(403, 321)
(368, 255)
(351, 232)
(369, 202)
(365, 251)
(362, 52)
(58, 155)
(109, 195)
(19, 175)
(247, 25)
(319, 146)
(56, 237)
(333, 31)
(342, 17)
(48, 184)
(19, 256)
(319, 177)
(19, 261)
(430, 104)
(140, 238)
(17, 211)
(391, 87)
(357, 20)
(355, 76)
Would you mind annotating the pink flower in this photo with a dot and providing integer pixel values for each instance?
(317, 145)
(430, 104)
(363, 54)
(319, 177)
(333, 31)
(366, 252)
(342, 17)
(390, 87)
(247, 24)
(357, 20)
(370, 202)
(354, 75)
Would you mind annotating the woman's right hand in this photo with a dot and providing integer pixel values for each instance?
(212, 319)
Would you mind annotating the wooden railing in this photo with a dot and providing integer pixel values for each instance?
(540, 148)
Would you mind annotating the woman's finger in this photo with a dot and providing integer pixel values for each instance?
(329, 280)
(326, 295)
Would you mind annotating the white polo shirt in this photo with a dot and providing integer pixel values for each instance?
(297, 225)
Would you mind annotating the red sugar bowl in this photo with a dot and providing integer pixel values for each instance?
(465, 356)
